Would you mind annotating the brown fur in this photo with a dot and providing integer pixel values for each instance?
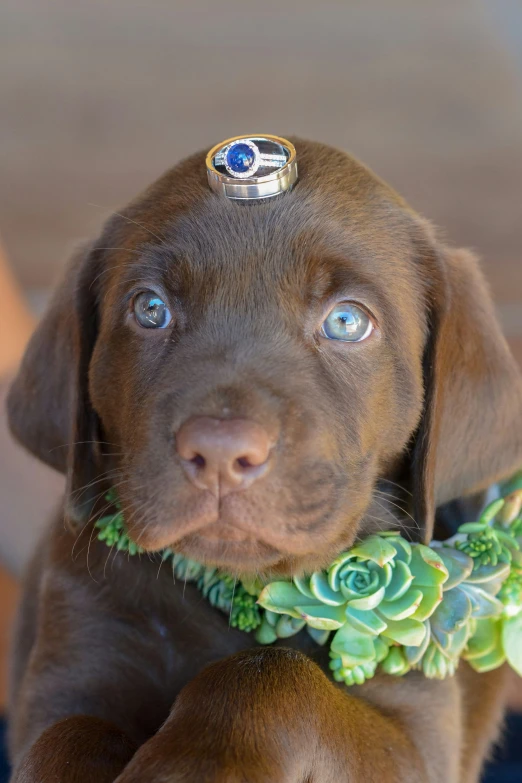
(431, 403)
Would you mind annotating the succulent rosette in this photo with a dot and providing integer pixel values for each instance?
(376, 596)
(407, 606)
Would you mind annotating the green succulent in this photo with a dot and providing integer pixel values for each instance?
(510, 594)
(278, 626)
(390, 604)
(375, 596)
(401, 606)
(112, 530)
(246, 614)
(487, 543)
(222, 591)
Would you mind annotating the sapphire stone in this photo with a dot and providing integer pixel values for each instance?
(240, 157)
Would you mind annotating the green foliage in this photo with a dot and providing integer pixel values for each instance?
(112, 528)
(406, 606)
(390, 604)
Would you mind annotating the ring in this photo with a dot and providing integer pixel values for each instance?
(252, 167)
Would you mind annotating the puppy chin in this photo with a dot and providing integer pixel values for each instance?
(246, 543)
(225, 546)
(245, 556)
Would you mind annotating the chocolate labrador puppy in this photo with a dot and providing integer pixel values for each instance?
(190, 359)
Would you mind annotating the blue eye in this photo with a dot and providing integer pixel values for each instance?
(348, 323)
(150, 311)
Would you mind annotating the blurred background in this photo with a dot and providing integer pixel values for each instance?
(97, 99)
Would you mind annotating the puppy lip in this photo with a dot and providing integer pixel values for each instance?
(233, 526)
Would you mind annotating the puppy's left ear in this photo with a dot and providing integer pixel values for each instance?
(470, 433)
(48, 404)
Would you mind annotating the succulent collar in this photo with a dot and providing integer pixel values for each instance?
(386, 603)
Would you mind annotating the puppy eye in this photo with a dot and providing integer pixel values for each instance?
(348, 323)
(150, 311)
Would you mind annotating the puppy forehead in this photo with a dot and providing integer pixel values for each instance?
(334, 192)
(338, 211)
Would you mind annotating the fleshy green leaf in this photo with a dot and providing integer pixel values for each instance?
(288, 626)
(396, 662)
(459, 565)
(488, 662)
(403, 549)
(348, 641)
(369, 601)
(431, 598)
(320, 589)
(348, 661)
(436, 665)
(365, 622)
(453, 612)
(472, 527)
(451, 644)
(495, 656)
(282, 597)
(333, 571)
(324, 618)
(492, 510)
(440, 638)
(374, 548)
(427, 567)
(402, 607)
(483, 640)
(489, 573)
(482, 603)
(408, 632)
(414, 654)
(389, 601)
(512, 641)
(303, 585)
(458, 642)
(400, 581)
(381, 649)
(265, 634)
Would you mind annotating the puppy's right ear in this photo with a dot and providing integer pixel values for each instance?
(48, 406)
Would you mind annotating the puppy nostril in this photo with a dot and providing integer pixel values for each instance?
(199, 461)
(244, 462)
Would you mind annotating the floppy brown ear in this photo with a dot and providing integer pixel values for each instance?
(48, 404)
(471, 431)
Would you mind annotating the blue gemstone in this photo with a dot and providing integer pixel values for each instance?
(240, 157)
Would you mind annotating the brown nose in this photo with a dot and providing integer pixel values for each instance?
(223, 455)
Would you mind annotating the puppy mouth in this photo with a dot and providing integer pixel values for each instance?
(224, 543)
(229, 547)
(244, 533)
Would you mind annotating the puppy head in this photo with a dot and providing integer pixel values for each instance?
(254, 377)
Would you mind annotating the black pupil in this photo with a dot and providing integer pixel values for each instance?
(151, 311)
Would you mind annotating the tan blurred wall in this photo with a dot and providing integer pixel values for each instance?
(97, 98)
